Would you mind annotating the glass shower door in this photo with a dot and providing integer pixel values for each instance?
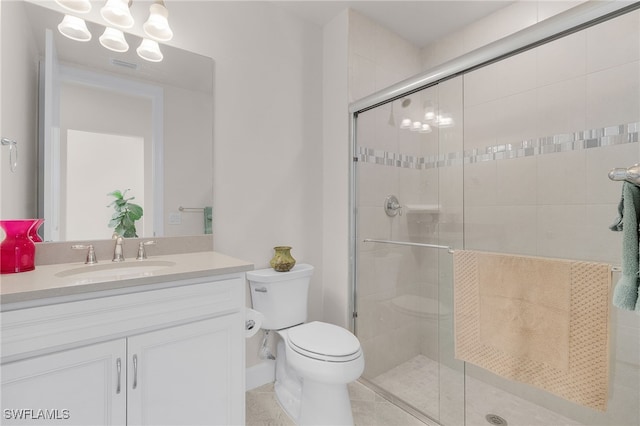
(408, 195)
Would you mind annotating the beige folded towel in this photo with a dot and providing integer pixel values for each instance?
(535, 320)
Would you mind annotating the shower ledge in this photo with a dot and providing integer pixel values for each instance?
(423, 208)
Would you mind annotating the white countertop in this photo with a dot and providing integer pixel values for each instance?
(48, 281)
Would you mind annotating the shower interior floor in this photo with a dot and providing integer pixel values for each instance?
(416, 382)
(369, 409)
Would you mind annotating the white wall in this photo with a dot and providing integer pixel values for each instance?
(335, 183)
(19, 108)
(188, 175)
(267, 150)
(378, 57)
(513, 18)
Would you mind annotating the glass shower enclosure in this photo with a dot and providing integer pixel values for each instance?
(510, 155)
(409, 213)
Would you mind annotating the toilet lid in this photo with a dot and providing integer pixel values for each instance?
(324, 341)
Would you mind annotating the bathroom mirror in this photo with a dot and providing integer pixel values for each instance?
(113, 121)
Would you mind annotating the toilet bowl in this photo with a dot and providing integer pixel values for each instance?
(314, 361)
(324, 358)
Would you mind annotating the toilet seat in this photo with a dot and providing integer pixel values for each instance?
(324, 342)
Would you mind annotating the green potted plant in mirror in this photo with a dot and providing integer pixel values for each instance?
(125, 216)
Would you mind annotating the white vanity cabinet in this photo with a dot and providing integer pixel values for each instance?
(185, 375)
(73, 387)
(158, 356)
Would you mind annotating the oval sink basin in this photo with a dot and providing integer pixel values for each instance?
(115, 271)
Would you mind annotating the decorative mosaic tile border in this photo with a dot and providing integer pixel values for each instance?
(606, 136)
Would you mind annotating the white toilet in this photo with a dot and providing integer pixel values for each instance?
(314, 361)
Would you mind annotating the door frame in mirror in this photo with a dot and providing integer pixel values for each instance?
(48, 208)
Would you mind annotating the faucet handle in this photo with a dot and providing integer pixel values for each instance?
(91, 254)
(142, 253)
(118, 252)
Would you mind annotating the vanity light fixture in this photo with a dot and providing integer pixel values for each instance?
(406, 123)
(444, 121)
(425, 128)
(416, 126)
(113, 39)
(149, 50)
(429, 111)
(78, 6)
(74, 28)
(157, 25)
(117, 13)
(430, 115)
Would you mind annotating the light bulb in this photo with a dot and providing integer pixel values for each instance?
(74, 28)
(157, 25)
(116, 12)
(406, 123)
(149, 50)
(445, 121)
(113, 39)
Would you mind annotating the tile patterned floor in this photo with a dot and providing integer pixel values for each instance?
(369, 409)
(415, 382)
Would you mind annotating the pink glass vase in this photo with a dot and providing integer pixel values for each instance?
(33, 232)
(17, 249)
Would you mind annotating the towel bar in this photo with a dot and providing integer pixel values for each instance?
(631, 174)
(182, 209)
(405, 243)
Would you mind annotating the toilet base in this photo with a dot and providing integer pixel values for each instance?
(288, 386)
(308, 402)
(325, 404)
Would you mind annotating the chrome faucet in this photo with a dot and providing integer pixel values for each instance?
(118, 253)
(142, 253)
(91, 253)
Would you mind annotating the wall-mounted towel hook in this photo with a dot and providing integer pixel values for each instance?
(13, 152)
(631, 174)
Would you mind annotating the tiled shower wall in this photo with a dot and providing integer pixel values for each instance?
(377, 59)
(580, 95)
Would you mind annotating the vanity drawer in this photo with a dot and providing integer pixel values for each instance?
(40, 330)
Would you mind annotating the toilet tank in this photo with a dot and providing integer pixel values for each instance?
(281, 296)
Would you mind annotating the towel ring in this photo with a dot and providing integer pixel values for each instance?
(13, 152)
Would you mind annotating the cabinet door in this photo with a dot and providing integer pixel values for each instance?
(188, 375)
(84, 386)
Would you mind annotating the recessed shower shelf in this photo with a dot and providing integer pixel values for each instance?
(423, 208)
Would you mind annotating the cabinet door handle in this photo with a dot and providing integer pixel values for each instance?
(119, 371)
(135, 371)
